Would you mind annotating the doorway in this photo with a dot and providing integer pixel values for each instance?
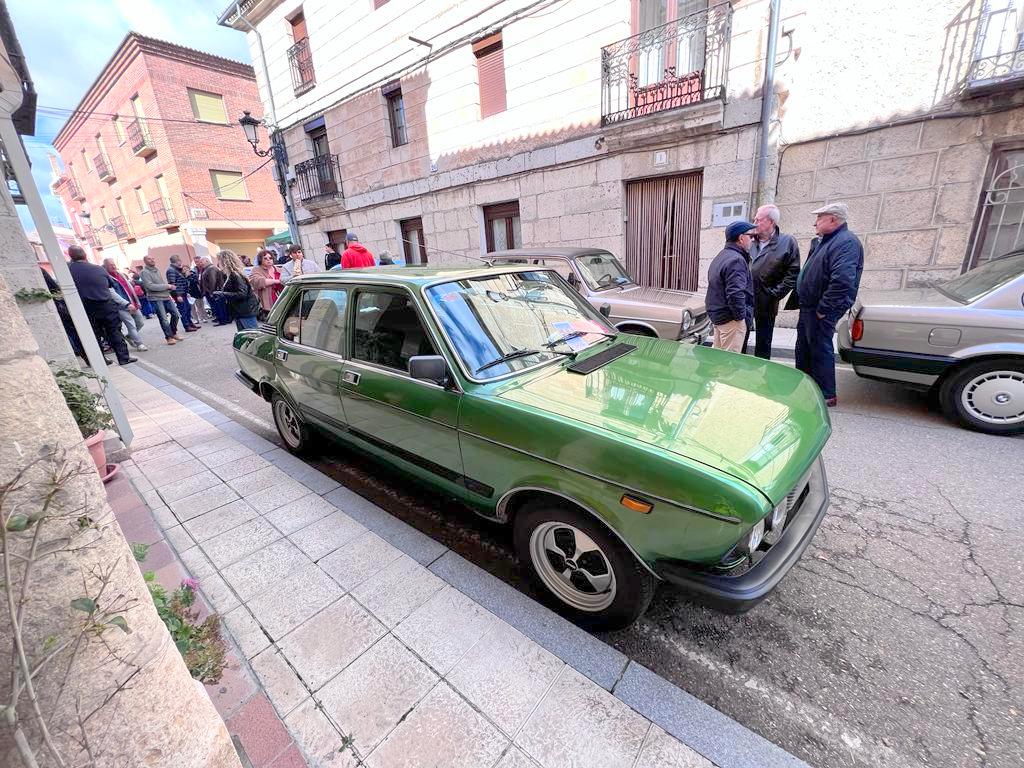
(663, 230)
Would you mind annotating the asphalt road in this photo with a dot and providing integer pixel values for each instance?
(898, 640)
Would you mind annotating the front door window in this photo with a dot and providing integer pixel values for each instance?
(387, 330)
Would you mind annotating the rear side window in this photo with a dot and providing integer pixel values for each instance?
(317, 319)
(388, 330)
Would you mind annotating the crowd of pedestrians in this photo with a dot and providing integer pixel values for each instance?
(760, 266)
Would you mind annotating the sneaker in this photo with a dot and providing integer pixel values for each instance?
(831, 402)
(171, 340)
(129, 360)
(179, 338)
(192, 329)
(142, 348)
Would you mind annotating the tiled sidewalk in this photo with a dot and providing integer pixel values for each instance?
(375, 644)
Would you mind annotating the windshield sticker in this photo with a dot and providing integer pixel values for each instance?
(563, 328)
(454, 296)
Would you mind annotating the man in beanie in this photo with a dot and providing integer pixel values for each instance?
(356, 255)
(825, 289)
(730, 297)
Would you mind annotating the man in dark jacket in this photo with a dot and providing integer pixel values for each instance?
(211, 280)
(178, 277)
(94, 290)
(331, 257)
(774, 264)
(825, 290)
(730, 297)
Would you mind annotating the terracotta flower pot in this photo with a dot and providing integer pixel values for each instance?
(98, 451)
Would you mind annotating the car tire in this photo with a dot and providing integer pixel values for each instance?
(616, 587)
(293, 431)
(987, 396)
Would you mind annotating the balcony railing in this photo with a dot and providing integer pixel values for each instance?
(163, 212)
(104, 169)
(679, 63)
(998, 47)
(91, 239)
(301, 60)
(69, 187)
(121, 228)
(319, 177)
(139, 138)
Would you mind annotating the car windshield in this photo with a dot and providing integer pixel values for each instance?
(501, 324)
(602, 270)
(971, 286)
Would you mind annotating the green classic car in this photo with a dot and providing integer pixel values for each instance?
(618, 460)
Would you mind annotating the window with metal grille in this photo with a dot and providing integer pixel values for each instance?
(490, 70)
(207, 107)
(501, 224)
(229, 185)
(119, 130)
(140, 198)
(396, 114)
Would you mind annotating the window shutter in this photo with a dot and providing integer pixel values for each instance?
(208, 107)
(490, 67)
(299, 28)
(228, 185)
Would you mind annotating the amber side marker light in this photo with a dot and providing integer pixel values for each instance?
(857, 330)
(635, 504)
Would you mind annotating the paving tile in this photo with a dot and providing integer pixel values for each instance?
(158, 556)
(138, 525)
(178, 538)
(262, 734)
(459, 736)
(186, 486)
(246, 631)
(199, 437)
(167, 451)
(319, 740)
(141, 482)
(288, 603)
(397, 590)
(216, 590)
(248, 438)
(373, 693)
(225, 456)
(360, 558)
(663, 751)
(257, 572)
(212, 446)
(164, 517)
(159, 472)
(241, 467)
(235, 686)
(505, 675)
(446, 626)
(327, 534)
(290, 758)
(399, 534)
(300, 513)
(279, 680)
(317, 481)
(151, 440)
(203, 501)
(270, 499)
(252, 482)
(579, 724)
(236, 543)
(197, 562)
(219, 520)
(152, 499)
(516, 758)
(329, 641)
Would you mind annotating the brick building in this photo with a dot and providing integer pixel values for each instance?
(635, 125)
(154, 155)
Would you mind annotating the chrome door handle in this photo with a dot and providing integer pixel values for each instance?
(281, 355)
(350, 377)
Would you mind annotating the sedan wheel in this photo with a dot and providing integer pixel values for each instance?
(289, 426)
(572, 566)
(987, 396)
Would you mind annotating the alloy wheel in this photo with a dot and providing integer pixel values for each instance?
(995, 397)
(288, 423)
(572, 566)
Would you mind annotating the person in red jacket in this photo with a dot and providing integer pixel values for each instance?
(356, 255)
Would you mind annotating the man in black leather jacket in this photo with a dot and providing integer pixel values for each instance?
(774, 264)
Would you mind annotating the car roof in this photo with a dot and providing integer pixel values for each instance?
(536, 253)
(409, 275)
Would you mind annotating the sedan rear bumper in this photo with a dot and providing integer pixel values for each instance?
(736, 594)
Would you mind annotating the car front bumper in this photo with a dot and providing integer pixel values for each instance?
(697, 336)
(739, 593)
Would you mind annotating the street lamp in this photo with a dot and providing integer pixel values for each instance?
(250, 126)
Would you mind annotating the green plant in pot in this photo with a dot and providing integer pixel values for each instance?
(89, 411)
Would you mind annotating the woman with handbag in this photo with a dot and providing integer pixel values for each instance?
(242, 303)
(265, 279)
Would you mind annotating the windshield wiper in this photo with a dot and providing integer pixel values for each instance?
(514, 355)
(576, 335)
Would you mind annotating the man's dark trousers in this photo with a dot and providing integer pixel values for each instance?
(106, 323)
(815, 354)
(764, 325)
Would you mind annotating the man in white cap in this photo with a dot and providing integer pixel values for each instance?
(825, 290)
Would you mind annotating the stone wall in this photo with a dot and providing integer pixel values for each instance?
(913, 192)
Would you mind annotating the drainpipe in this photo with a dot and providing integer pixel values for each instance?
(762, 189)
(277, 145)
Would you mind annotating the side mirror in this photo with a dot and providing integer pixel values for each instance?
(432, 368)
(606, 310)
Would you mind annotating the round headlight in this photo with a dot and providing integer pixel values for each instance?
(777, 518)
(755, 537)
(687, 319)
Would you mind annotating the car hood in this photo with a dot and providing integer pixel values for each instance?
(917, 297)
(638, 295)
(761, 422)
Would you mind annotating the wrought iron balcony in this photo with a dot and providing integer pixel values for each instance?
(120, 227)
(104, 169)
(318, 178)
(69, 187)
(301, 60)
(679, 63)
(998, 48)
(139, 138)
(91, 239)
(163, 212)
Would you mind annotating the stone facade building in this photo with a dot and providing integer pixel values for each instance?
(153, 153)
(635, 125)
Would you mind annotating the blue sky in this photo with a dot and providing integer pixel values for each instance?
(68, 44)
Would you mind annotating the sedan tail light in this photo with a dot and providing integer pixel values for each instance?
(857, 329)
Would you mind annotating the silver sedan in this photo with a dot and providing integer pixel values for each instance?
(963, 339)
